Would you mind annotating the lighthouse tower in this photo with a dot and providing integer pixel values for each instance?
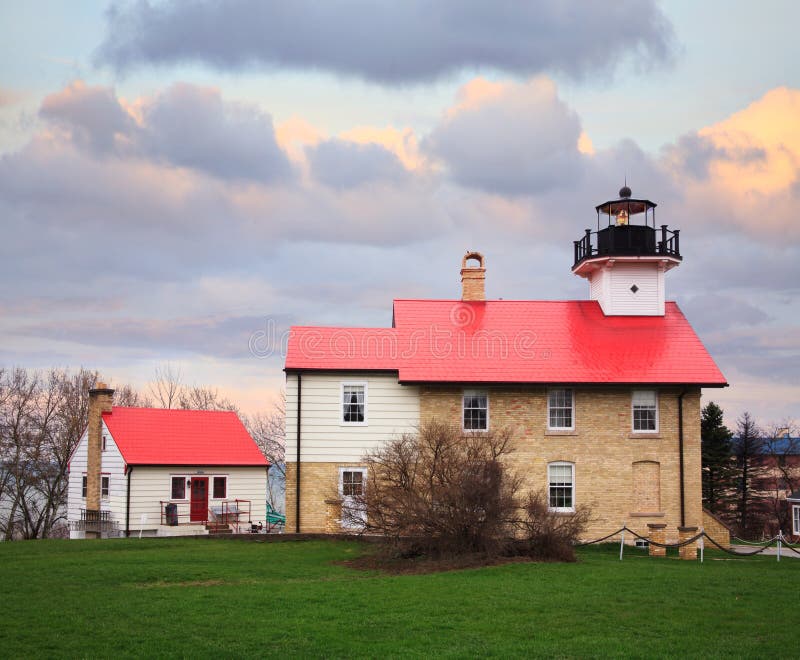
(626, 258)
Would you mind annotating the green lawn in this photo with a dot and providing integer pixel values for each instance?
(189, 597)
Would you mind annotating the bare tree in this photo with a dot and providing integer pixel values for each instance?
(167, 386)
(17, 429)
(198, 397)
(442, 492)
(782, 454)
(268, 429)
(129, 397)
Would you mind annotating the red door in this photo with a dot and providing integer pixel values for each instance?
(198, 508)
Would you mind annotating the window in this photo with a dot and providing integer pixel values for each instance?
(561, 486)
(178, 488)
(354, 403)
(796, 520)
(352, 483)
(220, 488)
(104, 487)
(104, 442)
(476, 411)
(560, 410)
(83, 487)
(645, 411)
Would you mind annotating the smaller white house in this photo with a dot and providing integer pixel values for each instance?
(156, 472)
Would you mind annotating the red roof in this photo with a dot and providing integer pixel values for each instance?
(154, 436)
(506, 341)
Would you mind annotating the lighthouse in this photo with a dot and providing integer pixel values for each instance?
(626, 258)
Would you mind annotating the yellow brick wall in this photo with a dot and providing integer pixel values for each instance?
(716, 530)
(318, 482)
(602, 447)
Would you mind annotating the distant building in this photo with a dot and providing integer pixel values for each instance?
(160, 472)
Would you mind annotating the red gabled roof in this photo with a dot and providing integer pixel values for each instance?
(154, 436)
(505, 341)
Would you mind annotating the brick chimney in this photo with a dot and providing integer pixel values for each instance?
(100, 401)
(472, 278)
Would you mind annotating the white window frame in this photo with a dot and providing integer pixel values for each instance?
(211, 494)
(107, 479)
(84, 486)
(572, 414)
(344, 498)
(351, 383)
(561, 509)
(633, 399)
(104, 442)
(796, 519)
(472, 393)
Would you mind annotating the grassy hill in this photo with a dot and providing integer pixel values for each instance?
(196, 597)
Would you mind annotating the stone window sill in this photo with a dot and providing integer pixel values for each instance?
(560, 433)
(648, 515)
(644, 436)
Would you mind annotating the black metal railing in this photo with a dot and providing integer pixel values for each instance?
(92, 520)
(628, 240)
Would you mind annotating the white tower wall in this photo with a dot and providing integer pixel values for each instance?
(629, 287)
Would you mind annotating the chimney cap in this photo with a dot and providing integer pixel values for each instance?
(477, 256)
(101, 388)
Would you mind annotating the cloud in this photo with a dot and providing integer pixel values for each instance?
(9, 97)
(141, 246)
(509, 138)
(93, 115)
(389, 42)
(191, 126)
(743, 171)
(184, 125)
(342, 164)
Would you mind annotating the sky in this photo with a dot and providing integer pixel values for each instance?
(180, 182)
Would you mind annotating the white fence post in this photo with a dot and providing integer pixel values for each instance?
(622, 541)
(702, 543)
(780, 539)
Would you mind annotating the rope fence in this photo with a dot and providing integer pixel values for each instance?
(779, 541)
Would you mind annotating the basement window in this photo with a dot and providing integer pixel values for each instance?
(476, 411)
(644, 411)
(220, 491)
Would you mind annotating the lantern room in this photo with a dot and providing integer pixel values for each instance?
(626, 257)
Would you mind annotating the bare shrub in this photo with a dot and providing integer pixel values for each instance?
(442, 493)
(549, 535)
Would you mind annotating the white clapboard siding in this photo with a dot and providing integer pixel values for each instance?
(152, 485)
(611, 287)
(392, 409)
(112, 465)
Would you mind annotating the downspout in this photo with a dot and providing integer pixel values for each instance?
(297, 487)
(128, 504)
(680, 453)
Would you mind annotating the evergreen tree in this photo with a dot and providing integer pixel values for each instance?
(748, 447)
(717, 457)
